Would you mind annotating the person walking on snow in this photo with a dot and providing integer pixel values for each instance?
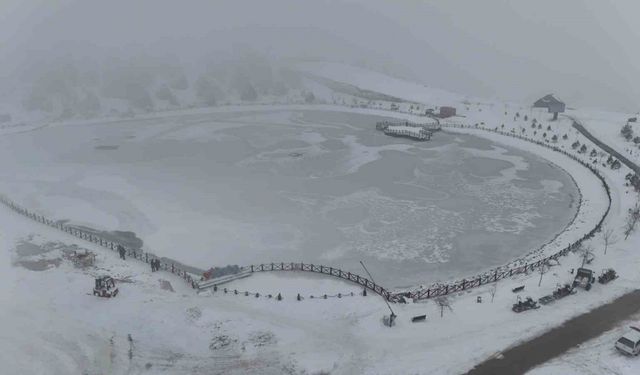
(121, 251)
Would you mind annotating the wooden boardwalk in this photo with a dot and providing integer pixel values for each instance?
(325, 270)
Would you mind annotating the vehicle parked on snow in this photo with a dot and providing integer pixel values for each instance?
(629, 343)
(563, 291)
(584, 278)
(545, 300)
(527, 304)
(105, 287)
(559, 293)
(607, 275)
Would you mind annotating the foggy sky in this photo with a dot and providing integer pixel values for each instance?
(584, 51)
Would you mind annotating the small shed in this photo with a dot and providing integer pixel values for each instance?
(447, 111)
(551, 103)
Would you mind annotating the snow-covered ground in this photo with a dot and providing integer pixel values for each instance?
(377, 82)
(606, 126)
(50, 324)
(595, 357)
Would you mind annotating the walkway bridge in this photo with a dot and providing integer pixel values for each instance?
(300, 267)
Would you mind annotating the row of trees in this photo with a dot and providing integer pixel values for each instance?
(143, 82)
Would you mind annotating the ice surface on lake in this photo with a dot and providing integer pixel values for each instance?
(326, 187)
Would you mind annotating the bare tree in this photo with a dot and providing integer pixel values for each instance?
(608, 238)
(587, 254)
(443, 302)
(632, 220)
(493, 290)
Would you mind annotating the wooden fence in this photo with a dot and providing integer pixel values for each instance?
(500, 273)
(433, 291)
(331, 271)
(98, 240)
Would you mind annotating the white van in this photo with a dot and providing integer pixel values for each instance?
(629, 343)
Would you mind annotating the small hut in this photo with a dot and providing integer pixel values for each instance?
(551, 103)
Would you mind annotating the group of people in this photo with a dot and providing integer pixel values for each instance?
(155, 265)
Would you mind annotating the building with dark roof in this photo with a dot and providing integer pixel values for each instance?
(551, 103)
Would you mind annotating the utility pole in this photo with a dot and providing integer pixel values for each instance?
(542, 272)
(392, 317)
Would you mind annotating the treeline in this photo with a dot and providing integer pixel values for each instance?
(70, 87)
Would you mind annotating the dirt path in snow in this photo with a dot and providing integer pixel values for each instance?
(524, 357)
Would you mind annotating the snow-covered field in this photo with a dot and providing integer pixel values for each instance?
(50, 324)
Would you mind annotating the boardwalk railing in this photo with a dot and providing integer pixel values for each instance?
(433, 126)
(518, 266)
(331, 271)
(98, 240)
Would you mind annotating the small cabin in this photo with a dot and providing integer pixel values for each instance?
(551, 103)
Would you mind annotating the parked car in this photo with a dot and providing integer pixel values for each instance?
(607, 275)
(629, 343)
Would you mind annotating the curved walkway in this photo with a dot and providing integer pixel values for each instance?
(300, 267)
(519, 266)
(331, 271)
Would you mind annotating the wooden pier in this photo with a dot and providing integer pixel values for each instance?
(421, 132)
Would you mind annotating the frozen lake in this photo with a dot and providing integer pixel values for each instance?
(325, 187)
